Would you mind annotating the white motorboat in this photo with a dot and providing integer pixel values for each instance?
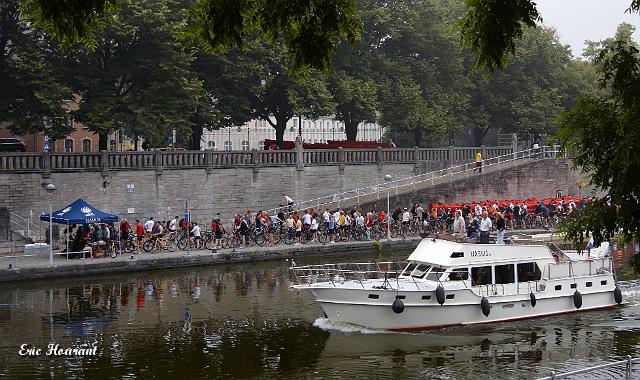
(446, 283)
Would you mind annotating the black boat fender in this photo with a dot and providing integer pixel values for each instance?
(617, 295)
(440, 297)
(398, 306)
(577, 299)
(533, 299)
(485, 306)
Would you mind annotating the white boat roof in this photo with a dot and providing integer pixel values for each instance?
(448, 253)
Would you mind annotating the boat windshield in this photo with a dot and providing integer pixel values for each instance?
(409, 268)
(420, 270)
(435, 273)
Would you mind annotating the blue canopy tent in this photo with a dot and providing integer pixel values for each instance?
(80, 212)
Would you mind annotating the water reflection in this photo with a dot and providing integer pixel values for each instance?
(243, 321)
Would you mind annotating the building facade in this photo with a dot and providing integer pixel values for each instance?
(80, 140)
(252, 134)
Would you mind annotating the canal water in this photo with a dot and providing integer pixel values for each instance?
(244, 322)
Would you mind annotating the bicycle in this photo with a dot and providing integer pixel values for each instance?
(159, 243)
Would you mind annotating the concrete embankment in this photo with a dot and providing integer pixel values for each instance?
(37, 267)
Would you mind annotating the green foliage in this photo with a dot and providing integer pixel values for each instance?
(138, 78)
(491, 27)
(70, 21)
(602, 131)
(356, 101)
(309, 29)
(32, 88)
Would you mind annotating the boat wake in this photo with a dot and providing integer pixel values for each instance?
(328, 325)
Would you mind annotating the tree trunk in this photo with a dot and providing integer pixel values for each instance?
(280, 128)
(102, 141)
(351, 130)
(196, 137)
(479, 133)
(417, 135)
(136, 139)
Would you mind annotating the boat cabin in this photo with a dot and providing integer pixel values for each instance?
(479, 264)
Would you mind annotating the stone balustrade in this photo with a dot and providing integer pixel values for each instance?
(105, 162)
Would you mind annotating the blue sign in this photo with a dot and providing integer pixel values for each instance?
(46, 144)
(186, 215)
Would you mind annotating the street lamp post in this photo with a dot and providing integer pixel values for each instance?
(387, 179)
(50, 189)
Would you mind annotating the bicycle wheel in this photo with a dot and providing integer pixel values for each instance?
(289, 238)
(148, 246)
(323, 237)
(128, 246)
(260, 240)
(182, 242)
(277, 238)
(170, 245)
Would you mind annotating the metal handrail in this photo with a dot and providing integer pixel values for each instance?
(541, 153)
(29, 225)
(628, 362)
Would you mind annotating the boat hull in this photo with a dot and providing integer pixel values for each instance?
(417, 316)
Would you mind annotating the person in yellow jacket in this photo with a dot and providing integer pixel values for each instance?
(478, 162)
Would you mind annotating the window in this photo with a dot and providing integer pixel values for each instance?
(481, 275)
(505, 274)
(245, 145)
(426, 297)
(458, 274)
(409, 268)
(589, 284)
(435, 273)
(228, 145)
(261, 144)
(573, 286)
(374, 296)
(68, 145)
(455, 255)
(558, 287)
(420, 270)
(401, 297)
(86, 145)
(211, 144)
(450, 296)
(528, 272)
(603, 282)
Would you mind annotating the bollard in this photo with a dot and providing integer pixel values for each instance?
(553, 375)
(628, 369)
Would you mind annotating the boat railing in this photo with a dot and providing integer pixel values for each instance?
(588, 267)
(531, 286)
(340, 272)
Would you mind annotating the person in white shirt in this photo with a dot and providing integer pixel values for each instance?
(289, 221)
(172, 226)
(419, 211)
(289, 200)
(478, 210)
(195, 231)
(306, 219)
(326, 215)
(485, 228)
(459, 225)
(148, 225)
(314, 229)
(406, 219)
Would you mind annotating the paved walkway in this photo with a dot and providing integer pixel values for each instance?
(24, 267)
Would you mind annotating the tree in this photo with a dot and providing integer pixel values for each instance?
(256, 83)
(529, 93)
(32, 88)
(356, 102)
(138, 78)
(309, 29)
(602, 133)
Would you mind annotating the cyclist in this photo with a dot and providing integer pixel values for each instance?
(173, 226)
(406, 220)
(195, 232)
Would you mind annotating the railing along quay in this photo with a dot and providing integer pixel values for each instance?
(17, 162)
(627, 363)
(498, 159)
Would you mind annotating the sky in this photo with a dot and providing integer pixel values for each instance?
(580, 20)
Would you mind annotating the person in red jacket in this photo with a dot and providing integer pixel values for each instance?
(139, 234)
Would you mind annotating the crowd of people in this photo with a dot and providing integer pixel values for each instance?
(473, 220)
